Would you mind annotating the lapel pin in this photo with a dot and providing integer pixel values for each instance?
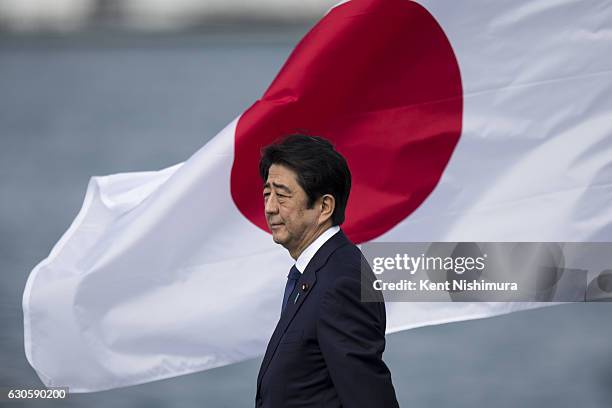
(304, 287)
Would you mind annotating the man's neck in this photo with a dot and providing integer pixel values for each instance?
(295, 253)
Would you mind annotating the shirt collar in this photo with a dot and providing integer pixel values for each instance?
(302, 262)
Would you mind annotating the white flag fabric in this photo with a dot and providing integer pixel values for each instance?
(461, 121)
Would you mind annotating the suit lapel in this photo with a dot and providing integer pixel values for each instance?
(309, 278)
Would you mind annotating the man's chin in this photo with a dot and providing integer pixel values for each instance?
(280, 239)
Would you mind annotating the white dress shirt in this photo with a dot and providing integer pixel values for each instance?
(302, 262)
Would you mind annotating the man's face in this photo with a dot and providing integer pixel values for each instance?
(292, 224)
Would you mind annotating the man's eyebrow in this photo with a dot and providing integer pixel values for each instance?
(279, 186)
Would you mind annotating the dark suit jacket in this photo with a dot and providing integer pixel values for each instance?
(326, 350)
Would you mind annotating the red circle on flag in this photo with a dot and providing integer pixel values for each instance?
(378, 78)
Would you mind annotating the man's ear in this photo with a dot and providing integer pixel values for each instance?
(328, 204)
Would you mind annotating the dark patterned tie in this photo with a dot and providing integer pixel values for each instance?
(292, 278)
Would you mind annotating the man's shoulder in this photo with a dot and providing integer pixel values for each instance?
(346, 277)
(344, 262)
(347, 256)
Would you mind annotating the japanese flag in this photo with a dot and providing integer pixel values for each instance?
(460, 121)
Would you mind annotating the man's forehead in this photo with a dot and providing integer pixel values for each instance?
(277, 186)
(281, 175)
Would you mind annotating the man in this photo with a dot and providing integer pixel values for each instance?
(326, 350)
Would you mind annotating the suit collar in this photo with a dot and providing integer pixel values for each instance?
(311, 250)
(320, 257)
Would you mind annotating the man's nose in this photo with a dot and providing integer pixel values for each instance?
(271, 206)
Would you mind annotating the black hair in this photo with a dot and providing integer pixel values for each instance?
(320, 169)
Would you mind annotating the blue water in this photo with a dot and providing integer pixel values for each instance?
(77, 107)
